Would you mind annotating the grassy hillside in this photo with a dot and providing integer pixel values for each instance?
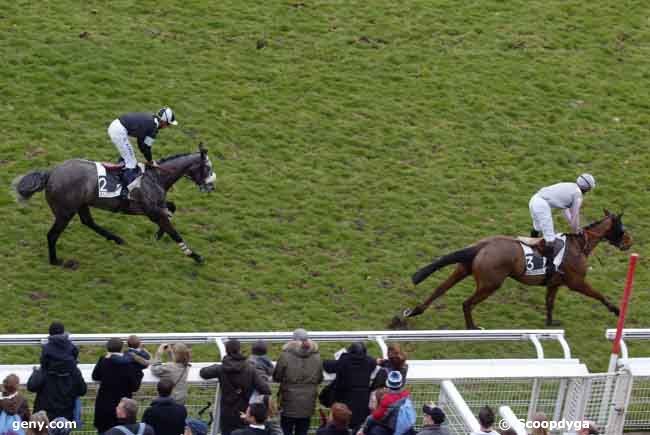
(357, 139)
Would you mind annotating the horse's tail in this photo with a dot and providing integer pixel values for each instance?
(26, 185)
(465, 255)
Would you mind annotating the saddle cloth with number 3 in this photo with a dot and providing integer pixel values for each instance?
(536, 263)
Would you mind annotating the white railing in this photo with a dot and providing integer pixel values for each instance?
(459, 415)
(535, 336)
(512, 421)
(635, 411)
(526, 385)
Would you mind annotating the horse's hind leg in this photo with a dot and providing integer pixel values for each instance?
(60, 222)
(461, 272)
(87, 220)
(479, 296)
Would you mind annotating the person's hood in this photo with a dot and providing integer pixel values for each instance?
(11, 403)
(234, 363)
(60, 347)
(295, 347)
(163, 401)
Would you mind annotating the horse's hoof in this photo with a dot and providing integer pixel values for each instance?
(118, 240)
(616, 311)
(554, 323)
(56, 262)
(406, 313)
(160, 234)
(196, 257)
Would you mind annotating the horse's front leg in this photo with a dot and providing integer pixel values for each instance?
(170, 209)
(166, 226)
(582, 286)
(551, 293)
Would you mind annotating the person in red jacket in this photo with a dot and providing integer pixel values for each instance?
(382, 419)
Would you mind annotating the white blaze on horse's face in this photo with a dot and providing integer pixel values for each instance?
(210, 179)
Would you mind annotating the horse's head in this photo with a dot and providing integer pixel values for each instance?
(201, 171)
(616, 233)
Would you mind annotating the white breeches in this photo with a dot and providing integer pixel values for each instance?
(540, 211)
(120, 137)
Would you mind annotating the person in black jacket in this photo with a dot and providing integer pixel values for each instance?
(57, 389)
(144, 127)
(238, 379)
(165, 416)
(117, 379)
(352, 385)
(58, 348)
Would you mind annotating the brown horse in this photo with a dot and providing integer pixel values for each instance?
(494, 259)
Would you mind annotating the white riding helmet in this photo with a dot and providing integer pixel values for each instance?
(586, 182)
(166, 114)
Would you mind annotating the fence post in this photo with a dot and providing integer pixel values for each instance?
(620, 402)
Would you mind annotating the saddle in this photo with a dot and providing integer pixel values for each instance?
(536, 243)
(113, 167)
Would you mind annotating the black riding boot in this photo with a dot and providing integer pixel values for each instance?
(548, 254)
(534, 233)
(128, 175)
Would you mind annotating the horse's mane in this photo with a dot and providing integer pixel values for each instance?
(591, 225)
(175, 156)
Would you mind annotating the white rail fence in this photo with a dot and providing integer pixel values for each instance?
(637, 410)
(562, 388)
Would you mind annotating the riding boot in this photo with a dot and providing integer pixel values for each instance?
(534, 233)
(548, 254)
(128, 175)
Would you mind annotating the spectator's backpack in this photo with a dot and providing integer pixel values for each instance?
(406, 418)
(9, 423)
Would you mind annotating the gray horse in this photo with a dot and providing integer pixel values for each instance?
(72, 188)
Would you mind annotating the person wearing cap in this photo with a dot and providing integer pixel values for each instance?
(432, 420)
(383, 419)
(144, 127)
(238, 379)
(564, 196)
(299, 371)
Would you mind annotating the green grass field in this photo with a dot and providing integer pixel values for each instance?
(357, 139)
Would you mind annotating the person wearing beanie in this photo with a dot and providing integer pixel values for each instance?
(382, 419)
(299, 372)
(238, 379)
(432, 420)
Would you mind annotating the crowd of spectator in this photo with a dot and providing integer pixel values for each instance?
(368, 396)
